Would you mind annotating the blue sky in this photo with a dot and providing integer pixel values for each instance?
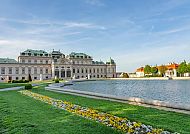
(132, 32)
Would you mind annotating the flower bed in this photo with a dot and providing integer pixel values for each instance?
(122, 124)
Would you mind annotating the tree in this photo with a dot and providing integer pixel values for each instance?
(183, 68)
(154, 70)
(29, 78)
(188, 67)
(147, 69)
(162, 70)
(125, 75)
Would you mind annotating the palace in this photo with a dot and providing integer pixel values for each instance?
(42, 65)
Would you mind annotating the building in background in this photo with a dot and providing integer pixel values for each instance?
(42, 65)
(170, 71)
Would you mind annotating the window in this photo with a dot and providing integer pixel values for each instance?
(101, 70)
(98, 70)
(77, 70)
(35, 61)
(29, 70)
(86, 70)
(29, 61)
(94, 70)
(23, 61)
(90, 71)
(82, 71)
(35, 70)
(23, 70)
(46, 61)
(46, 70)
(3, 70)
(41, 61)
(23, 78)
(16, 78)
(35, 78)
(41, 70)
(17, 70)
(73, 70)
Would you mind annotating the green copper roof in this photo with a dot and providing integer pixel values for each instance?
(31, 52)
(7, 60)
(111, 61)
(98, 62)
(79, 55)
(35, 51)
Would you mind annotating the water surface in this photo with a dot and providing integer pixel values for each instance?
(175, 91)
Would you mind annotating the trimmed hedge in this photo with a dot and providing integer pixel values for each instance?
(20, 81)
(28, 86)
(56, 81)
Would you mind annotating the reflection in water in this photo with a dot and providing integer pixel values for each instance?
(177, 91)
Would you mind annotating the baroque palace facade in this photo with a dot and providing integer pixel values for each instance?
(42, 65)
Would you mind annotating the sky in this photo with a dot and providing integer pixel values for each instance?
(133, 32)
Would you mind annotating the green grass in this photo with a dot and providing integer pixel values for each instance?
(8, 85)
(22, 114)
(171, 121)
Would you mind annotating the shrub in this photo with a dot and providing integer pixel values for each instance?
(20, 81)
(28, 86)
(56, 80)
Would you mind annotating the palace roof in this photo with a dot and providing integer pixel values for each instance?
(98, 62)
(111, 61)
(7, 60)
(79, 55)
(31, 52)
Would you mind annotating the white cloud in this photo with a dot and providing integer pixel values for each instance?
(11, 48)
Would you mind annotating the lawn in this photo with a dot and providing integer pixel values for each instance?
(8, 85)
(22, 114)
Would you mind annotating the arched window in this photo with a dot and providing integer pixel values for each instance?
(73, 70)
(86, 70)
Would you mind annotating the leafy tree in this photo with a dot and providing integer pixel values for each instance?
(154, 70)
(147, 69)
(162, 70)
(188, 67)
(29, 78)
(183, 68)
(125, 75)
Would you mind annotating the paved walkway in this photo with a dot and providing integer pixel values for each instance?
(12, 88)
